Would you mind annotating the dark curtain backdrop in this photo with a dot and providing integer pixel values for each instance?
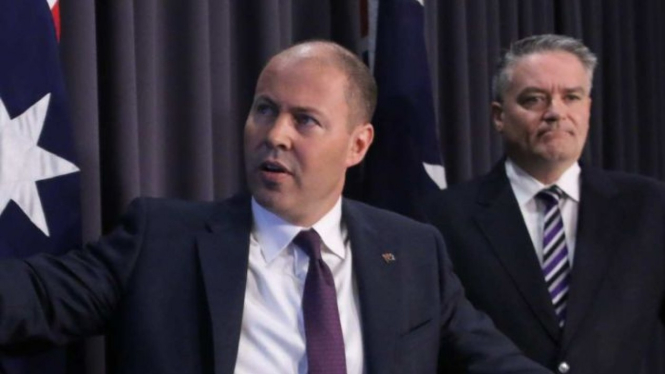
(159, 89)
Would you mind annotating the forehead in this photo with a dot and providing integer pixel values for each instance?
(549, 69)
(302, 82)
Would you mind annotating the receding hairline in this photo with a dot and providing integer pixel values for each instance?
(319, 52)
(360, 92)
(310, 49)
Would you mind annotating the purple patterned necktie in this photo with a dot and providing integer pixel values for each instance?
(556, 266)
(323, 332)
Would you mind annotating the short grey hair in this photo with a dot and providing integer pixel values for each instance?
(539, 44)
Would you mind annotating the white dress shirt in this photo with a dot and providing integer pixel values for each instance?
(526, 187)
(272, 338)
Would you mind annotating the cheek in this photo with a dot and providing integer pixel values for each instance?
(517, 129)
(321, 163)
(582, 121)
(526, 125)
(251, 136)
(582, 135)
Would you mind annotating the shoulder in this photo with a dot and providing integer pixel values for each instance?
(463, 199)
(377, 218)
(636, 180)
(415, 242)
(623, 183)
(460, 192)
(485, 187)
(165, 207)
(178, 212)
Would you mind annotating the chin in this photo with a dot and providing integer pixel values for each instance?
(265, 198)
(274, 200)
(556, 152)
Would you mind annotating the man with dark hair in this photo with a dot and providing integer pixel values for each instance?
(294, 279)
(567, 260)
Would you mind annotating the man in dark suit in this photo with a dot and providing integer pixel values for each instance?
(293, 279)
(568, 261)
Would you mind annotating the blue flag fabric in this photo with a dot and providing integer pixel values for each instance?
(39, 181)
(404, 164)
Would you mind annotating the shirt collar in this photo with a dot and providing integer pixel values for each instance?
(526, 186)
(274, 234)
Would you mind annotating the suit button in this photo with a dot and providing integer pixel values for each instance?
(564, 367)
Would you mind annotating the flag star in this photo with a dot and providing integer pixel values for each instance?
(23, 162)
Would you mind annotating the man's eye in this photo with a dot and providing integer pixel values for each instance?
(531, 101)
(573, 97)
(264, 109)
(305, 120)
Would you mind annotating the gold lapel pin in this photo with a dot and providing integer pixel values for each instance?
(388, 257)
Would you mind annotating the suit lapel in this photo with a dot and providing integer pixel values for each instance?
(599, 222)
(377, 287)
(502, 223)
(223, 256)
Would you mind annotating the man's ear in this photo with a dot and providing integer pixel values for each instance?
(361, 138)
(497, 116)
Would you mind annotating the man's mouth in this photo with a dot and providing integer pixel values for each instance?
(553, 129)
(555, 132)
(272, 167)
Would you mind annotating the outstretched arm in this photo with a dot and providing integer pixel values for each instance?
(48, 300)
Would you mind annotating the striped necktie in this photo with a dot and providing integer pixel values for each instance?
(556, 266)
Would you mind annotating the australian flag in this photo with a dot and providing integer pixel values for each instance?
(39, 179)
(404, 164)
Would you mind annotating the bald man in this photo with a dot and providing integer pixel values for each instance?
(292, 279)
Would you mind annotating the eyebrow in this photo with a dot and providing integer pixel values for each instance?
(532, 89)
(264, 98)
(295, 109)
(579, 89)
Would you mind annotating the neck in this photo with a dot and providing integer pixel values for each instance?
(304, 217)
(545, 172)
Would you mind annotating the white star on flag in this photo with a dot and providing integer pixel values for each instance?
(23, 162)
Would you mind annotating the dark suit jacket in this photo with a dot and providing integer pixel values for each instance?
(168, 286)
(615, 306)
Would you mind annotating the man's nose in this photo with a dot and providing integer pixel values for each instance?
(555, 110)
(279, 133)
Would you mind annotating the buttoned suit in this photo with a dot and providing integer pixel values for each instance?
(167, 286)
(614, 322)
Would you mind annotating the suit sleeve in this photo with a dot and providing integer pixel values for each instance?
(48, 300)
(470, 342)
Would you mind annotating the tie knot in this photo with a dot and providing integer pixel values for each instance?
(550, 196)
(310, 242)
